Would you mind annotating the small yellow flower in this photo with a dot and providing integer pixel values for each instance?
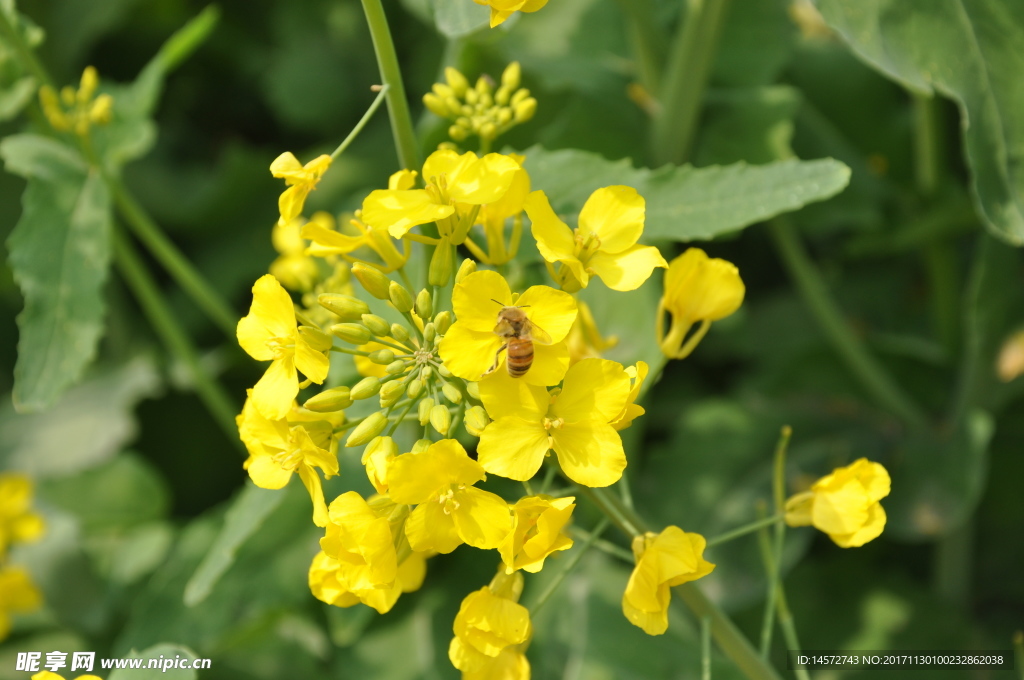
(845, 504)
(269, 333)
(449, 509)
(528, 422)
(327, 241)
(585, 340)
(457, 185)
(537, 531)
(493, 216)
(491, 629)
(503, 9)
(278, 448)
(300, 179)
(18, 524)
(604, 244)
(663, 560)
(632, 410)
(470, 346)
(697, 288)
(17, 594)
(293, 267)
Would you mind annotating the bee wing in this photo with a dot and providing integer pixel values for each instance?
(539, 335)
(504, 328)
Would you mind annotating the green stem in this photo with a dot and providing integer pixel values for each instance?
(539, 602)
(362, 121)
(605, 546)
(789, 632)
(646, 41)
(744, 530)
(25, 53)
(172, 335)
(391, 75)
(865, 368)
(705, 648)
(953, 564)
(764, 542)
(692, 55)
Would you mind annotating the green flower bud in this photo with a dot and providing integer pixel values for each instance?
(443, 321)
(453, 105)
(384, 357)
(391, 392)
(525, 110)
(474, 390)
(520, 96)
(415, 388)
(467, 267)
(365, 388)
(476, 420)
(395, 367)
(316, 338)
(377, 325)
(421, 445)
(399, 332)
(375, 283)
(435, 105)
(511, 76)
(426, 373)
(456, 81)
(502, 96)
(472, 96)
(451, 393)
(423, 307)
(354, 333)
(440, 418)
(443, 371)
(428, 333)
(442, 91)
(488, 130)
(345, 306)
(334, 399)
(400, 297)
(423, 410)
(440, 270)
(503, 115)
(371, 426)
(458, 133)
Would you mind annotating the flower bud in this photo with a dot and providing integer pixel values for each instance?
(440, 418)
(520, 96)
(353, 333)
(443, 321)
(376, 456)
(395, 367)
(316, 338)
(384, 357)
(371, 426)
(334, 399)
(423, 410)
(525, 110)
(443, 371)
(472, 96)
(415, 388)
(511, 76)
(488, 130)
(423, 306)
(504, 115)
(87, 87)
(375, 283)
(345, 306)
(365, 388)
(400, 297)
(428, 333)
(476, 420)
(100, 111)
(474, 390)
(426, 373)
(421, 445)
(458, 133)
(398, 332)
(467, 267)
(377, 325)
(456, 81)
(435, 105)
(440, 270)
(391, 392)
(451, 393)
(442, 91)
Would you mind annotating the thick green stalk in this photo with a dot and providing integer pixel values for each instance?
(173, 336)
(646, 41)
(689, 67)
(865, 368)
(391, 75)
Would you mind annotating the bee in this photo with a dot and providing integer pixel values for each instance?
(519, 334)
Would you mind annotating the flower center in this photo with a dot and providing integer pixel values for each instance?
(447, 499)
(289, 459)
(585, 246)
(553, 423)
(281, 347)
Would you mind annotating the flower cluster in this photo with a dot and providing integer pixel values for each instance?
(18, 524)
(76, 110)
(480, 109)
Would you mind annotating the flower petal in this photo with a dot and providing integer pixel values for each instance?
(271, 315)
(615, 215)
(483, 180)
(871, 530)
(553, 310)
(481, 518)
(417, 477)
(550, 362)
(513, 447)
(504, 395)
(311, 480)
(593, 388)
(313, 364)
(287, 166)
(400, 211)
(626, 270)
(267, 474)
(590, 452)
(478, 298)
(276, 390)
(554, 238)
(468, 354)
(429, 528)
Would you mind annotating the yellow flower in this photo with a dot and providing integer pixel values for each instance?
(269, 333)
(584, 339)
(17, 594)
(327, 241)
(300, 179)
(449, 509)
(663, 560)
(329, 579)
(697, 288)
(503, 9)
(277, 448)
(457, 185)
(632, 410)
(604, 244)
(377, 456)
(537, 525)
(493, 216)
(293, 268)
(490, 630)
(470, 346)
(844, 504)
(18, 524)
(528, 422)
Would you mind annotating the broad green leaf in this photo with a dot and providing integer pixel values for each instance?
(59, 253)
(752, 124)
(456, 18)
(971, 52)
(687, 203)
(250, 508)
(166, 659)
(756, 42)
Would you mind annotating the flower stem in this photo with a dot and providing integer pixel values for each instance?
(744, 530)
(391, 75)
(538, 602)
(172, 335)
(646, 41)
(605, 546)
(865, 368)
(28, 58)
(362, 121)
(705, 648)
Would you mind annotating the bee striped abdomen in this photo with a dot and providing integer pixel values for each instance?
(519, 357)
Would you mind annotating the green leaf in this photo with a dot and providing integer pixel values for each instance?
(687, 203)
(247, 513)
(59, 254)
(969, 52)
(15, 96)
(456, 18)
(163, 654)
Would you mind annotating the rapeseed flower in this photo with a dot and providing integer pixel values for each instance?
(663, 560)
(491, 629)
(697, 289)
(574, 422)
(585, 340)
(300, 179)
(844, 504)
(293, 267)
(18, 524)
(631, 411)
(604, 244)
(537, 531)
(503, 9)
(17, 594)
